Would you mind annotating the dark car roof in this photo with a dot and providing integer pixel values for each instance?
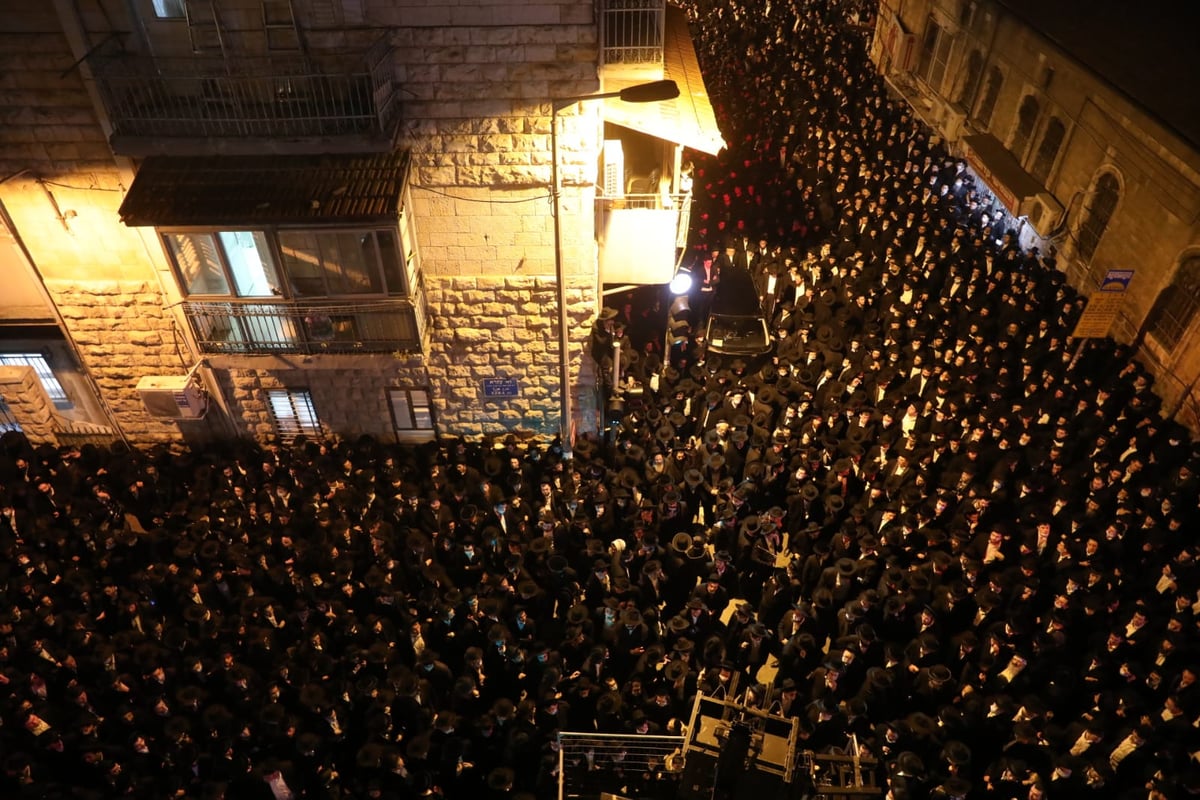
(735, 295)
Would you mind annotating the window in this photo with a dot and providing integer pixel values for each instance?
(632, 31)
(966, 13)
(928, 46)
(200, 269)
(311, 263)
(411, 411)
(328, 263)
(1097, 215)
(991, 93)
(1027, 117)
(170, 9)
(1047, 152)
(1176, 306)
(941, 58)
(250, 263)
(42, 368)
(971, 72)
(8, 423)
(294, 413)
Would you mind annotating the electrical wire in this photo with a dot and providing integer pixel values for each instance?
(80, 188)
(537, 198)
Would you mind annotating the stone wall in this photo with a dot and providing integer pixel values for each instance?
(478, 81)
(1157, 220)
(124, 333)
(492, 327)
(31, 407)
(350, 400)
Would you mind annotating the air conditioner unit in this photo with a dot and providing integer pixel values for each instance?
(614, 168)
(172, 396)
(1043, 213)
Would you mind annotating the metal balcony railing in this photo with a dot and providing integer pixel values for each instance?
(680, 202)
(315, 95)
(257, 327)
(631, 32)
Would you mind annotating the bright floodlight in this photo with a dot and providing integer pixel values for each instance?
(681, 283)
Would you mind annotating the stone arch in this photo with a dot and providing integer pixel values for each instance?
(1178, 303)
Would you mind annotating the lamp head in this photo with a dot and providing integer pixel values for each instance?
(650, 92)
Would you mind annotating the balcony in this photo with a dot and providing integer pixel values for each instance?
(640, 236)
(631, 32)
(255, 327)
(203, 105)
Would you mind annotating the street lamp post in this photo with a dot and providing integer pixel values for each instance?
(652, 92)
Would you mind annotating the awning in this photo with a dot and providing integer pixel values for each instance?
(688, 119)
(1001, 171)
(265, 190)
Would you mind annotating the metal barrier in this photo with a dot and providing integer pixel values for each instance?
(257, 327)
(591, 764)
(319, 95)
(632, 31)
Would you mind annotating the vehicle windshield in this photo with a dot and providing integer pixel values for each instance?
(737, 331)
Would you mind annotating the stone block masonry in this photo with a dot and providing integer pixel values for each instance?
(480, 83)
(349, 402)
(502, 327)
(28, 403)
(123, 333)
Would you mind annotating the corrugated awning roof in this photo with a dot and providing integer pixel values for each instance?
(1001, 171)
(689, 118)
(265, 190)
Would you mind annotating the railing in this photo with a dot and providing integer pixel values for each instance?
(632, 32)
(215, 97)
(258, 327)
(592, 763)
(680, 202)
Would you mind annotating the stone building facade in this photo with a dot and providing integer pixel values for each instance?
(410, 139)
(1068, 115)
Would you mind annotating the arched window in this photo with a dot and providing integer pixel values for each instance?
(1043, 160)
(1097, 215)
(1027, 116)
(1176, 305)
(971, 72)
(991, 92)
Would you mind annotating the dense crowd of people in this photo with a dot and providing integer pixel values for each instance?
(944, 533)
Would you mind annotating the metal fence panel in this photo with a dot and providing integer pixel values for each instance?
(621, 764)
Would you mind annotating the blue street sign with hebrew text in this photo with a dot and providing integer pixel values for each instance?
(501, 387)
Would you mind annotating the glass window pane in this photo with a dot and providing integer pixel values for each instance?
(169, 9)
(42, 368)
(294, 413)
(389, 259)
(401, 410)
(302, 261)
(351, 263)
(200, 269)
(7, 421)
(251, 262)
(422, 411)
